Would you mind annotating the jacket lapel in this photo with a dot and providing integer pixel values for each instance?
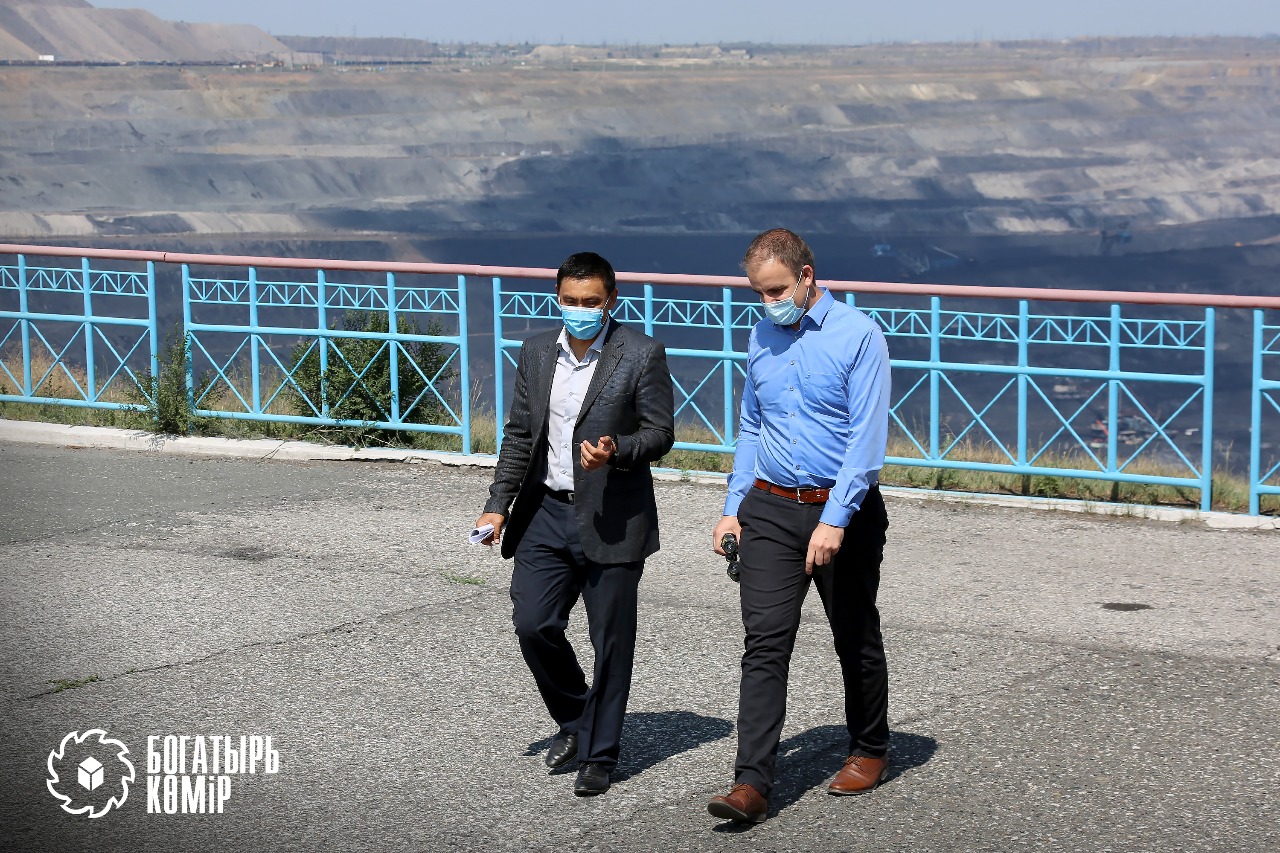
(610, 356)
(540, 388)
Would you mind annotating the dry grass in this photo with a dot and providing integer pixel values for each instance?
(61, 384)
(1230, 492)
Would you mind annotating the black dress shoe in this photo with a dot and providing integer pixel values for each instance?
(563, 750)
(592, 779)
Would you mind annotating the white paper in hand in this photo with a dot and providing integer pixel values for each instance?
(480, 534)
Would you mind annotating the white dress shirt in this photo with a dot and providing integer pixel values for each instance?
(568, 389)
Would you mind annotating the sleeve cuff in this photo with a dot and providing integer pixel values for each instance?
(625, 447)
(836, 515)
(732, 503)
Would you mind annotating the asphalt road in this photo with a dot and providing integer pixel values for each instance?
(335, 607)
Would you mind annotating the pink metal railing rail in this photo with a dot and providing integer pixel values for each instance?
(1207, 300)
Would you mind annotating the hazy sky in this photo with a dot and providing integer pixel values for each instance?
(689, 21)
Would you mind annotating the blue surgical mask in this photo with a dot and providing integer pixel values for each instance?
(785, 311)
(583, 323)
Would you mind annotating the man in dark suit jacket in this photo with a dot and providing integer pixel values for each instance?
(572, 500)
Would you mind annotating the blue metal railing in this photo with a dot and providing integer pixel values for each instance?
(1000, 432)
(1111, 387)
(1264, 474)
(1112, 335)
(55, 323)
(417, 397)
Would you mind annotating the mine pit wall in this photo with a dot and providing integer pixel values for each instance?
(953, 145)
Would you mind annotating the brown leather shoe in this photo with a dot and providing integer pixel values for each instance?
(859, 775)
(743, 803)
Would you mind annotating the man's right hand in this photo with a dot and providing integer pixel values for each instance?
(728, 524)
(497, 520)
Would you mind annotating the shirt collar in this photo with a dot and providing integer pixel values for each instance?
(597, 346)
(818, 313)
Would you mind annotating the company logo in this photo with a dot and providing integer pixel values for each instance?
(186, 774)
(191, 774)
(89, 774)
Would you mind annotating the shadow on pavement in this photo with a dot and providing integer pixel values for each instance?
(649, 738)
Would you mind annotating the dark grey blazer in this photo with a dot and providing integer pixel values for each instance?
(629, 398)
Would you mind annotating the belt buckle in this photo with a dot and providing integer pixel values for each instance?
(799, 500)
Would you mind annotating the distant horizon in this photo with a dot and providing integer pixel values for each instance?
(802, 22)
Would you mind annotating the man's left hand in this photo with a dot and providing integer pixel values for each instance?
(598, 455)
(823, 546)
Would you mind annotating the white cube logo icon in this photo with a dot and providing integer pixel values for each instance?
(90, 773)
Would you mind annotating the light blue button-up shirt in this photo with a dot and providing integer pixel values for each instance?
(815, 408)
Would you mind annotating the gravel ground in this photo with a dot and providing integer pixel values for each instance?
(336, 607)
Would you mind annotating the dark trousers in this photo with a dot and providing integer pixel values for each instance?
(551, 573)
(775, 539)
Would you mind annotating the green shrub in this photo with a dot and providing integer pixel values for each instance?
(1047, 485)
(356, 384)
(169, 408)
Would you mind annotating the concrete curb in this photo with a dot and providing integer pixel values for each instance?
(109, 438)
(1217, 520)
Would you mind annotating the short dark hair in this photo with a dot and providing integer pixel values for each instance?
(588, 265)
(784, 246)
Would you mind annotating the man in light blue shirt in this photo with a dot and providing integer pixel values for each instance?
(805, 507)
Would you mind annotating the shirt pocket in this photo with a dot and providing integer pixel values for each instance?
(829, 392)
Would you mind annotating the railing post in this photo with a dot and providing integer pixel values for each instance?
(1024, 331)
(253, 340)
(498, 365)
(25, 308)
(187, 337)
(1206, 428)
(393, 348)
(153, 328)
(322, 340)
(464, 369)
(1255, 420)
(1113, 398)
(648, 309)
(935, 356)
(91, 384)
(726, 364)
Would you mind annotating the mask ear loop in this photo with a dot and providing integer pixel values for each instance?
(796, 287)
(812, 283)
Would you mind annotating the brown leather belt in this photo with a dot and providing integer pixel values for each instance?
(806, 495)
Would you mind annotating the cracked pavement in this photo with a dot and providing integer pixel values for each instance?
(336, 607)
